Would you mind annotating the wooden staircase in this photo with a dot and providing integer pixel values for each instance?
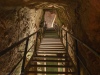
(51, 58)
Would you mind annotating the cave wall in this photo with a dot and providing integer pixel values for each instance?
(87, 29)
(15, 24)
(82, 19)
(85, 26)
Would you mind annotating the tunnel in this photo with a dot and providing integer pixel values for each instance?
(79, 19)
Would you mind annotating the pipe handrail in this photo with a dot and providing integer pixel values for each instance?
(23, 57)
(77, 56)
(16, 44)
(80, 60)
(19, 61)
(91, 49)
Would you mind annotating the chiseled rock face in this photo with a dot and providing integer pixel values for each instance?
(15, 24)
(83, 20)
(8, 35)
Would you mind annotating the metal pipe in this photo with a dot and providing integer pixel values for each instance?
(91, 49)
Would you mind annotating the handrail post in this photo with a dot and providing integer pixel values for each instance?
(78, 62)
(36, 42)
(66, 51)
(40, 34)
(66, 42)
(35, 49)
(61, 33)
(24, 59)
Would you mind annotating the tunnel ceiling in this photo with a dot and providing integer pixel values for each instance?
(60, 5)
(32, 3)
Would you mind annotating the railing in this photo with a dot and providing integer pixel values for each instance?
(38, 35)
(79, 59)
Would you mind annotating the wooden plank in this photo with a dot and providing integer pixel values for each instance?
(49, 53)
(51, 49)
(50, 57)
(52, 66)
(38, 60)
(41, 72)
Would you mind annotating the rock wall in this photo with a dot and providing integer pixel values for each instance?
(87, 29)
(15, 24)
(84, 24)
(82, 19)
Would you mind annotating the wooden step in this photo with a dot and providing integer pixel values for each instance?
(50, 43)
(52, 66)
(43, 72)
(53, 45)
(50, 39)
(49, 53)
(61, 55)
(51, 49)
(49, 57)
(38, 60)
(55, 39)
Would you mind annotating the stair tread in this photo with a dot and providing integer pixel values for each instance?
(50, 43)
(50, 60)
(52, 52)
(64, 66)
(49, 56)
(45, 72)
(53, 49)
(49, 53)
(49, 48)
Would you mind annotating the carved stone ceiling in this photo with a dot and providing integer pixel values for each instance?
(27, 2)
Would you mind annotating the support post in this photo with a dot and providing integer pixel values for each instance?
(61, 34)
(24, 59)
(35, 51)
(78, 62)
(66, 69)
(66, 42)
(36, 42)
(40, 34)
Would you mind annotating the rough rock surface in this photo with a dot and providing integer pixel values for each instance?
(15, 24)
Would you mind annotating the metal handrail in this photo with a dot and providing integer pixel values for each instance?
(19, 62)
(91, 49)
(25, 52)
(77, 52)
(16, 44)
(80, 60)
